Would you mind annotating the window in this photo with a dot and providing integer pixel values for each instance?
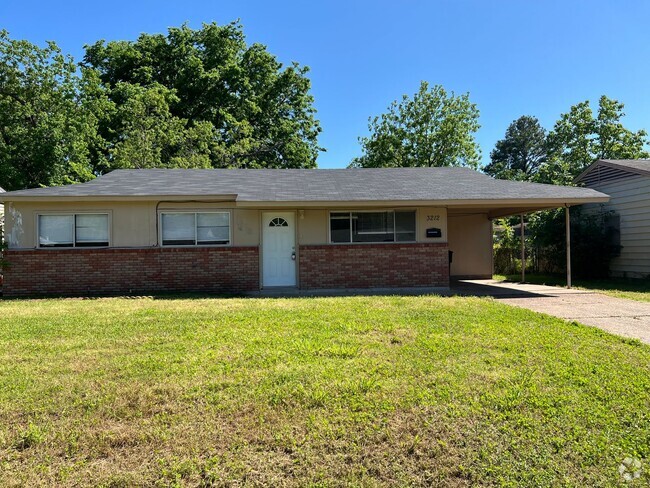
(278, 222)
(195, 228)
(391, 226)
(74, 230)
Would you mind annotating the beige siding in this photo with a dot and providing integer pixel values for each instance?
(470, 239)
(430, 217)
(313, 225)
(134, 224)
(630, 198)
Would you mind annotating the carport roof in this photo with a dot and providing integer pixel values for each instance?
(312, 187)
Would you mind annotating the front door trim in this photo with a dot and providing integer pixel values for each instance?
(265, 217)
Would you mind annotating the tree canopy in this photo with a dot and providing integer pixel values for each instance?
(235, 103)
(44, 128)
(432, 128)
(190, 98)
(579, 138)
(519, 155)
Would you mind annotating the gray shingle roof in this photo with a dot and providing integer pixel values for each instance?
(302, 185)
(638, 165)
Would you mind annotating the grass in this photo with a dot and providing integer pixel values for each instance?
(633, 289)
(360, 391)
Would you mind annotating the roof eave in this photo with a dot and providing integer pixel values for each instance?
(8, 197)
(530, 202)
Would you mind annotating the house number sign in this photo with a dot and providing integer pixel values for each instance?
(433, 218)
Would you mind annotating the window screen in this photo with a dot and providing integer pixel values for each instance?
(200, 228)
(373, 226)
(387, 226)
(178, 229)
(213, 228)
(80, 230)
(405, 226)
(91, 230)
(56, 230)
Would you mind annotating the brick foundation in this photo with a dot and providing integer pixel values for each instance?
(131, 271)
(374, 266)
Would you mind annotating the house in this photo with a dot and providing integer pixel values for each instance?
(627, 181)
(235, 231)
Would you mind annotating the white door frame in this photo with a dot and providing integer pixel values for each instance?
(264, 216)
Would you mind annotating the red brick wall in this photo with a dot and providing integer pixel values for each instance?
(374, 266)
(131, 271)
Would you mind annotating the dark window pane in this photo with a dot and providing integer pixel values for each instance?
(178, 242)
(372, 227)
(92, 244)
(340, 227)
(405, 226)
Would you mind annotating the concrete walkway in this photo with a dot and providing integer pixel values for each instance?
(620, 316)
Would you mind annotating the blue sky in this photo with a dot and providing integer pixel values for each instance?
(513, 57)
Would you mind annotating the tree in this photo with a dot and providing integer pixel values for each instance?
(44, 127)
(237, 102)
(149, 136)
(433, 128)
(519, 155)
(579, 138)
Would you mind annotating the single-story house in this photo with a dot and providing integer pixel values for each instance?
(158, 230)
(627, 181)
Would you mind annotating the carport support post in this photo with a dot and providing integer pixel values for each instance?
(523, 251)
(567, 215)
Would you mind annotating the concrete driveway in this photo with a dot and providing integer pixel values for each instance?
(620, 316)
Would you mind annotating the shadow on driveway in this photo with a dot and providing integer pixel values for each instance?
(620, 316)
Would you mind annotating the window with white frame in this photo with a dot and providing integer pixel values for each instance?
(73, 230)
(385, 226)
(195, 228)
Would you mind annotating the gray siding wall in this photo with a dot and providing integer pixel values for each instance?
(631, 200)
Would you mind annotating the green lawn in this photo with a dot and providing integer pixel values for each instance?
(361, 391)
(632, 289)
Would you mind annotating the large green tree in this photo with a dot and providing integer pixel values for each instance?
(432, 128)
(236, 102)
(579, 138)
(519, 154)
(45, 129)
(147, 135)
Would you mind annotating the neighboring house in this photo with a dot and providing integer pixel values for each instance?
(627, 181)
(158, 230)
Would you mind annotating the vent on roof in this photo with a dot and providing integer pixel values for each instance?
(605, 174)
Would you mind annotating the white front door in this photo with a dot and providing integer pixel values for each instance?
(278, 249)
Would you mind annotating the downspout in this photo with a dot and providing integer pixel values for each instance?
(567, 215)
(523, 251)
